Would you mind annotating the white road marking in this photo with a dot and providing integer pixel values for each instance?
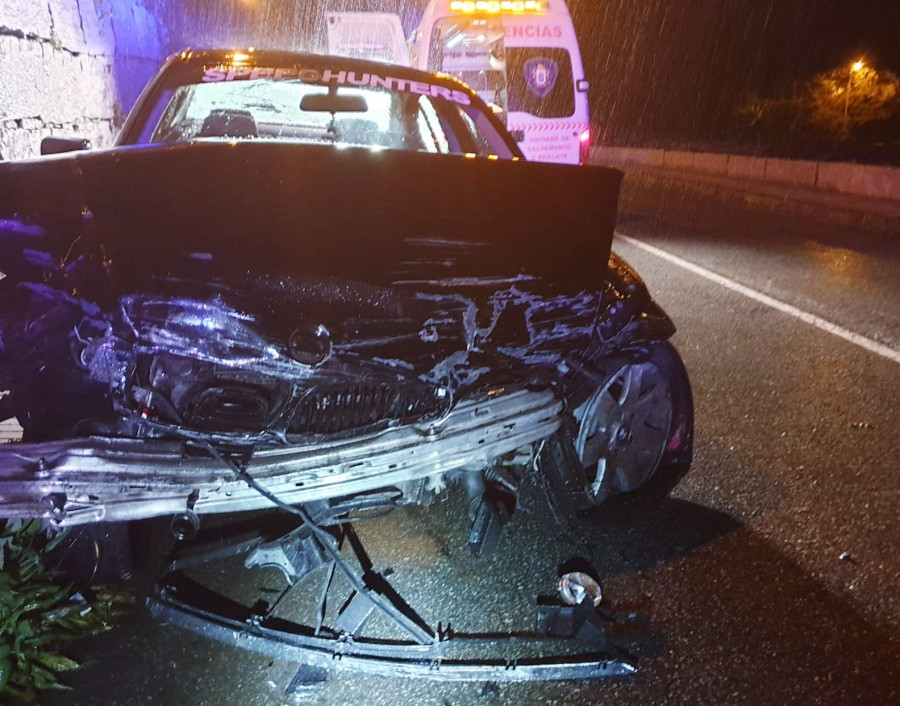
(805, 316)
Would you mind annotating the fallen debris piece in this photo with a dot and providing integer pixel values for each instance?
(577, 586)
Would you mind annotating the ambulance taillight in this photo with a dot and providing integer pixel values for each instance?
(584, 147)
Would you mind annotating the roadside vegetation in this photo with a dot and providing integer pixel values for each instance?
(41, 611)
(847, 114)
(851, 112)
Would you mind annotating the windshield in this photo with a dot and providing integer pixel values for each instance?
(315, 106)
(472, 50)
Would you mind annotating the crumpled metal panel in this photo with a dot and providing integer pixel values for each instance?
(88, 480)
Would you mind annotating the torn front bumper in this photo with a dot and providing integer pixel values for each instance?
(375, 630)
(234, 626)
(96, 479)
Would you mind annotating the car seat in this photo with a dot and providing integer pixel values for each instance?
(229, 123)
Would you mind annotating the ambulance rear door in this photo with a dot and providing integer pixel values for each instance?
(546, 92)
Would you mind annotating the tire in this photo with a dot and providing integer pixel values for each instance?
(630, 440)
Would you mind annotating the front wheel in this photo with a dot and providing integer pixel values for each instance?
(634, 433)
(631, 439)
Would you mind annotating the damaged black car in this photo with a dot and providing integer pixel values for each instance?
(329, 287)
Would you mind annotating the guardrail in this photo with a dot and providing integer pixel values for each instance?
(842, 177)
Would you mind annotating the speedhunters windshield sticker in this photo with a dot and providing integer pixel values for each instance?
(541, 75)
(340, 78)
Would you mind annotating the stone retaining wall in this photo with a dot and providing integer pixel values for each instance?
(857, 179)
(73, 68)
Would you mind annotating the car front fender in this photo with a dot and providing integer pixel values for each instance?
(629, 322)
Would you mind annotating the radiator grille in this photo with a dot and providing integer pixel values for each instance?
(337, 409)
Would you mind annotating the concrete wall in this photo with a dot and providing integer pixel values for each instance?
(73, 67)
(857, 179)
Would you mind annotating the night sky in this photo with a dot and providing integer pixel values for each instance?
(682, 67)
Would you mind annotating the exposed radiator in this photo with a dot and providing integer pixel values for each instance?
(332, 410)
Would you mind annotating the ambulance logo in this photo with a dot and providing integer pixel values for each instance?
(541, 75)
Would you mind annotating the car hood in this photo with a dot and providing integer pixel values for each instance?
(221, 211)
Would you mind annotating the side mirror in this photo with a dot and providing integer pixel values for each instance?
(58, 145)
(583, 85)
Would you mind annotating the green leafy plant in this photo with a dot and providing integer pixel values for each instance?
(39, 612)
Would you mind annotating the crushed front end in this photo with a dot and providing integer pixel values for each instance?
(173, 355)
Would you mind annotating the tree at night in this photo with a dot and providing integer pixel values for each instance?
(842, 105)
(850, 97)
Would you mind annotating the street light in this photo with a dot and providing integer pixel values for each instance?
(855, 68)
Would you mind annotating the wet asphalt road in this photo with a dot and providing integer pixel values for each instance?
(771, 575)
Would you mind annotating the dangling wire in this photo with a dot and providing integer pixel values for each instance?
(410, 625)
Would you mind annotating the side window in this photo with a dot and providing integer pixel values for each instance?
(482, 146)
(492, 140)
(172, 125)
(430, 127)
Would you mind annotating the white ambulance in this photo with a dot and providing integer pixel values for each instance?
(522, 57)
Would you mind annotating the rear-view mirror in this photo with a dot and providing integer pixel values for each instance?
(333, 103)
